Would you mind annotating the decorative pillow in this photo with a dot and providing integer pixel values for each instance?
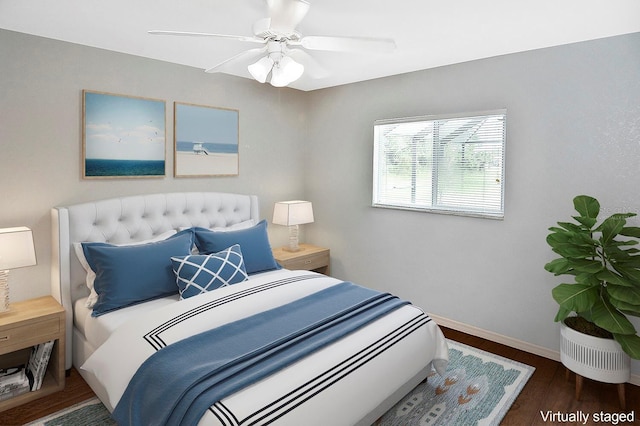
(253, 241)
(91, 275)
(200, 273)
(126, 275)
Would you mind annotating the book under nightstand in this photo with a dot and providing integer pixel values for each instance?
(27, 327)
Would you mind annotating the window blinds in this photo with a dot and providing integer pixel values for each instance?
(448, 164)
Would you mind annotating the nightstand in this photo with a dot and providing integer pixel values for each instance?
(309, 257)
(25, 325)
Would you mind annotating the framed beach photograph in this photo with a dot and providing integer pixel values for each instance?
(122, 136)
(206, 141)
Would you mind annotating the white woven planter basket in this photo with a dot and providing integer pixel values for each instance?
(593, 357)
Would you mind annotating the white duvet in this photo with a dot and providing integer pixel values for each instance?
(338, 385)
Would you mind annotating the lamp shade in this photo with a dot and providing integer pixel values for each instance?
(16, 248)
(261, 69)
(289, 213)
(286, 71)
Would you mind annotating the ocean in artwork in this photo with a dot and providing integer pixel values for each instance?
(98, 167)
(207, 147)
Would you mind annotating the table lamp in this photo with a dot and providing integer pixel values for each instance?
(292, 214)
(16, 251)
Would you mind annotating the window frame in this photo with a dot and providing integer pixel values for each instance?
(434, 207)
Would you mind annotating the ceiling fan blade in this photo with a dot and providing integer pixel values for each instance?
(196, 34)
(347, 44)
(285, 15)
(311, 66)
(245, 56)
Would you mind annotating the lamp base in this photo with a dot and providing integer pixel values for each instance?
(293, 239)
(4, 290)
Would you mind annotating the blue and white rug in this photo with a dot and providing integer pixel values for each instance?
(477, 389)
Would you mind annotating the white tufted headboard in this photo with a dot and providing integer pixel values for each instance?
(130, 219)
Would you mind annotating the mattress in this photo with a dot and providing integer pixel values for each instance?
(96, 330)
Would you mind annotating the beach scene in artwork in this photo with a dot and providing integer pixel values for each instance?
(123, 136)
(197, 158)
(206, 141)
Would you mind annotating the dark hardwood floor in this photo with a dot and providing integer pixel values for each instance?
(547, 390)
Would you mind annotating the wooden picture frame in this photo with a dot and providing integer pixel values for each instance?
(122, 136)
(206, 141)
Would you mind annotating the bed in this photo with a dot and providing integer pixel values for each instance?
(346, 354)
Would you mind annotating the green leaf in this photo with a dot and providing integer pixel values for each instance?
(605, 315)
(630, 343)
(630, 261)
(562, 237)
(558, 266)
(611, 227)
(571, 227)
(587, 206)
(633, 274)
(587, 266)
(630, 231)
(629, 295)
(589, 279)
(617, 243)
(575, 297)
(558, 238)
(588, 222)
(611, 278)
(626, 308)
(572, 250)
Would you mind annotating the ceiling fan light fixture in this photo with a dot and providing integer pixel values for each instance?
(285, 72)
(260, 70)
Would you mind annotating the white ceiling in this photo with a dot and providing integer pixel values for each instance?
(428, 33)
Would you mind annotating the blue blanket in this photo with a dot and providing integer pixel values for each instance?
(177, 384)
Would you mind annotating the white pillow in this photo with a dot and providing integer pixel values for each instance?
(91, 275)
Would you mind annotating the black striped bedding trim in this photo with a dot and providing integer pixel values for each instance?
(278, 408)
(154, 338)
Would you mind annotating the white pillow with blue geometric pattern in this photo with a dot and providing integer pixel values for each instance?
(200, 273)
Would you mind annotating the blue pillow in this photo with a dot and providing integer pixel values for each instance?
(126, 275)
(200, 273)
(253, 241)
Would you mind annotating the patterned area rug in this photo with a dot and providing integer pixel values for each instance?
(88, 413)
(478, 389)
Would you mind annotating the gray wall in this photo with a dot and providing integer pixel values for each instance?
(41, 83)
(573, 127)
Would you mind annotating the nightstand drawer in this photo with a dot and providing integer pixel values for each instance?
(309, 262)
(12, 338)
(309, 257)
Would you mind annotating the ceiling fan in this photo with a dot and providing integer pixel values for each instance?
(283, 55)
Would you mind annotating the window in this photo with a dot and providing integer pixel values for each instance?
(443, 164)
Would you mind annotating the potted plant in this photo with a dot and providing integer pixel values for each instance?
(605, 267)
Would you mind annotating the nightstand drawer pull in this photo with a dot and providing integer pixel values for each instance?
(4, 338)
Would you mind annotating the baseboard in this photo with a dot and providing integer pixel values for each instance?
(508, 341)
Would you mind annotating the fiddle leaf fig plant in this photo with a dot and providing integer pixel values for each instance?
(605, 265)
